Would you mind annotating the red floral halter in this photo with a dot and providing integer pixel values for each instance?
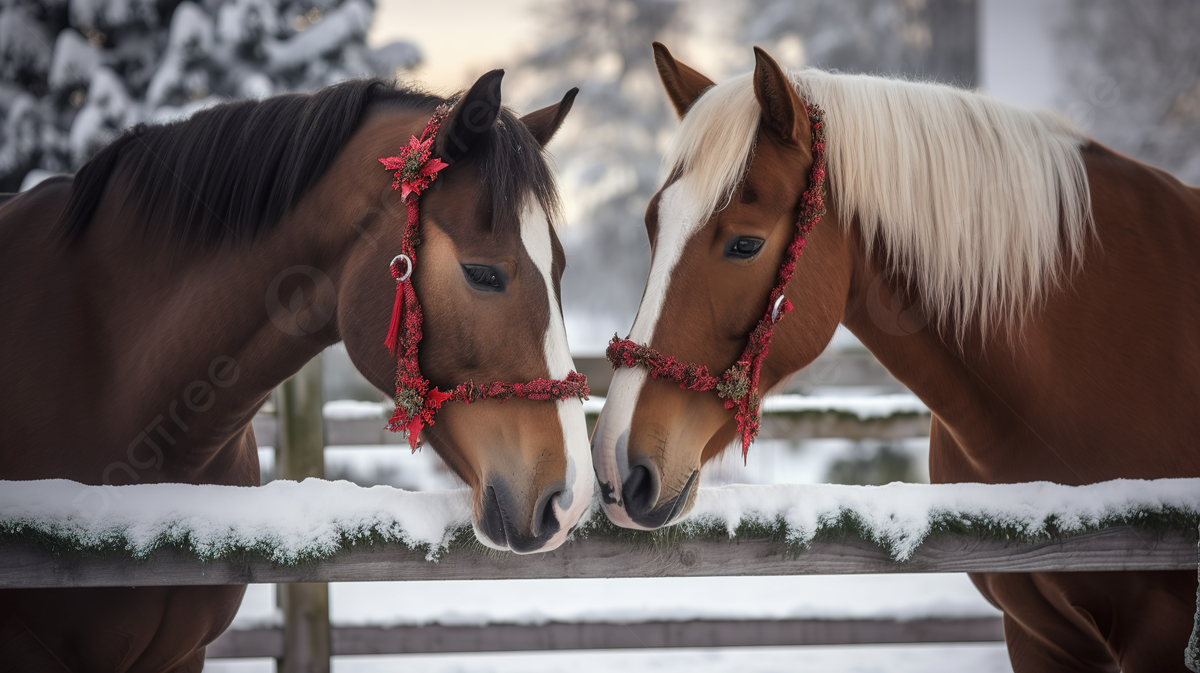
(738, 386)
(417, 400)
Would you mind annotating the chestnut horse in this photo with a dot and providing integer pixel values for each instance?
(197, 265)
(1037, 290)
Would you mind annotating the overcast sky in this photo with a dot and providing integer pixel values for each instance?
(461, 39)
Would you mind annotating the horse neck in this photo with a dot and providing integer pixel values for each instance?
(886, 316)
(184, 345)
(1067, 394)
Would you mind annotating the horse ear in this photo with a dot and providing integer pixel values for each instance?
(683, 84)
(470, 119)
(783, 113)
(544, 123)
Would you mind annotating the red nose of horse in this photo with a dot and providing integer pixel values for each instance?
(504, 523)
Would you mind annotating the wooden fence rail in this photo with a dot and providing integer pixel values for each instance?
(503, 637)
(1113, 549)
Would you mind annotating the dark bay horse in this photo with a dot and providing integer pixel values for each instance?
(1037, 290)
(153, 302)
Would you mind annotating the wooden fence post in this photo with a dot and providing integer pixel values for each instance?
(300, 453)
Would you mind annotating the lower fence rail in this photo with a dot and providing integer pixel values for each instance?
(437, 638)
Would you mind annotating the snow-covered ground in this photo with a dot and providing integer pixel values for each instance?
(662, 598)
(810, 461)
(985, 658)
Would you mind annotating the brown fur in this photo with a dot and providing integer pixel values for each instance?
(110, 335)
(1102, 382)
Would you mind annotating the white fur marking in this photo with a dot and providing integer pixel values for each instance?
(678, 220)
(535, 235)
(680, 217)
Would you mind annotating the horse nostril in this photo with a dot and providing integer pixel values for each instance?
(640, 490)
(545, 521)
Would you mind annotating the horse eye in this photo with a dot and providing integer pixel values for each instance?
(743, 247)
(483, 277)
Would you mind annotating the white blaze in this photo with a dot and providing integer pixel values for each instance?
(678, 221)
(574, 501)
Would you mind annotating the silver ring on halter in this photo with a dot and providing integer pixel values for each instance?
(408, 264)
(775, 309)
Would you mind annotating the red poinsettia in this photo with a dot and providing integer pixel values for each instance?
(414, 167)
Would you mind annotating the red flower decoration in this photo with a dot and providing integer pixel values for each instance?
(415, 168)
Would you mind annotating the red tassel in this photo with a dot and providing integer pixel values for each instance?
(413, 430)
(393, 335)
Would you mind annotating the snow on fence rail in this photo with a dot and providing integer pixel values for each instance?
(61, 533)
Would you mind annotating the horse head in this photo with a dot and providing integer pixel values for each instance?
(486, 271)
(719, 227)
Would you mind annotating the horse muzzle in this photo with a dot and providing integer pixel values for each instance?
(505, 522)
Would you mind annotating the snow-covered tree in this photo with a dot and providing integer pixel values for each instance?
(927, 39)
(608, 156)
(1131, 74)
(74, 73)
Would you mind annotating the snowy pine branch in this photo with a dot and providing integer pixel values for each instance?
(75, 73)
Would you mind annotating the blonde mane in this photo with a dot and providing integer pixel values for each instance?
(970, 198)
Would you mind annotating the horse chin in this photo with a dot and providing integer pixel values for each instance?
(617, 514)
(485, 540)
(620, 517)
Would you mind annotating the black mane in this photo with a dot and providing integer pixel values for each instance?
(232, 171)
